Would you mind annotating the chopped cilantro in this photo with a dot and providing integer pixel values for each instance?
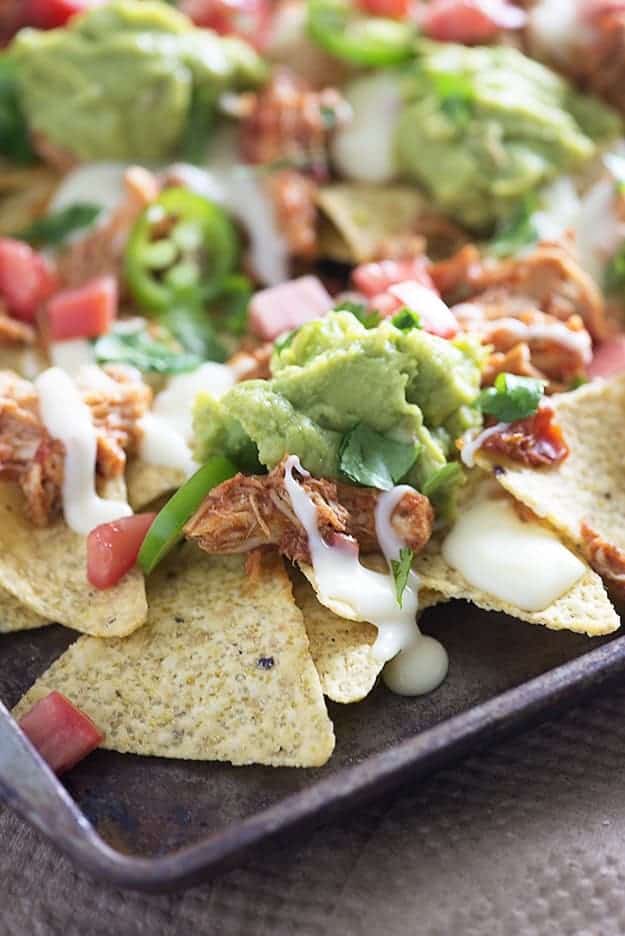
(143, 350)
(366, 316)
(401, 570)
(56, 227)
(511, 397)
(373, 460)
(406, 319)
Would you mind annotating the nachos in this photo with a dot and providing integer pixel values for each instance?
(312, 316)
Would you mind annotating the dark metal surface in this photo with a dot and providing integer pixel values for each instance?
(173, 823)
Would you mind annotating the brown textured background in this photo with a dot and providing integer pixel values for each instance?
(526, 839)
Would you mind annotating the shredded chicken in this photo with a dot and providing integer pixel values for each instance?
(608, 560)
(291, 121)
(117, 407)
(253, 364)
(248, 512)
(13, 332)
(537, 441)
(27, 453)
(31, 457)
(294, 199)
(101, 250)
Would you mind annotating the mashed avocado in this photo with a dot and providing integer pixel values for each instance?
(118, 82)
(482, 127)
(334, 375)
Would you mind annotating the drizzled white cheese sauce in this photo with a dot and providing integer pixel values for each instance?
(473, 442)
(99, 184)
(71, 355)
(522, 563)
(576, 341)
(168, 427)
(342, 581)
(67, 418)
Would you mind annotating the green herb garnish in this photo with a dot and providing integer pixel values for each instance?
(365, 314)
(193, 328)
(401, 570)
(56, 227)
(373, 460)
(15, 142)
(511, 397)
(517, 231)
(406, 319)
(142, 350)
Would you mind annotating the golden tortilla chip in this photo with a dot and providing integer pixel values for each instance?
(584, 609)
(221, 671)
(14, 616)
(590, 484)
(364, 216)
(46, 570)
(147, 483)
(342, 649)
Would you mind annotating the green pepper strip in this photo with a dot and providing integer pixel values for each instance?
(169, 522)
(360, 40)
(163, 271)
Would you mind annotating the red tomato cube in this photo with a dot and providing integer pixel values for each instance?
(112, 548)
(60, 732)
(85, 312)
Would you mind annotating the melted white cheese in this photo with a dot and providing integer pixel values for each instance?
(98, 183)
(71, 355)
(343, 581)
(364, 150)
(522, 563)
(168, 427)
(67, 418)
(418, 669)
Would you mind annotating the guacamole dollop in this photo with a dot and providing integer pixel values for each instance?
(118, 82)
(482, 127)
(333, 375)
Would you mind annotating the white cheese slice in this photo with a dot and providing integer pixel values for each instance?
(519, 562)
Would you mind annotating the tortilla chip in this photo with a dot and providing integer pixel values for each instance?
(45, 569)
(589, 484)
(221, 671)
(14, 616)
(342, 649)
(584, 609)
(24, 196)
(364, 216)
(147, 483)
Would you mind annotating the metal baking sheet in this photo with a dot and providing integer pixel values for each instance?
(173, 823)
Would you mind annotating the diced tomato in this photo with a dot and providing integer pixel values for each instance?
(393, 9)
(248, 19)
(371, 279)
(112, 548)
(281, 308)
(61, 733)
(85, 312)
(26, 279)
(436, 317)
(470, 21)
(609, 358)
(48, 14)
(536, 441)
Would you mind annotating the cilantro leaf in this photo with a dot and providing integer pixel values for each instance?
(401, 570)
(373, 460)
(517, 231)
(55, 227)
(144, 351)
(456, 95)
(614, 276)
(511, 398)
(193, 328)
(231, 304)
(406, 319)
(442, 487)
(365, 315)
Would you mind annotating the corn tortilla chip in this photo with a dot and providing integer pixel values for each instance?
(221, 671)
(147, 483)
(45, 569)
(342, 649)
(590, 484)
(584, 609)
(364, 216)
(14, 616)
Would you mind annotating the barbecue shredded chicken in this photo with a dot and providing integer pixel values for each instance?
(30, 456)
(247, 512)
